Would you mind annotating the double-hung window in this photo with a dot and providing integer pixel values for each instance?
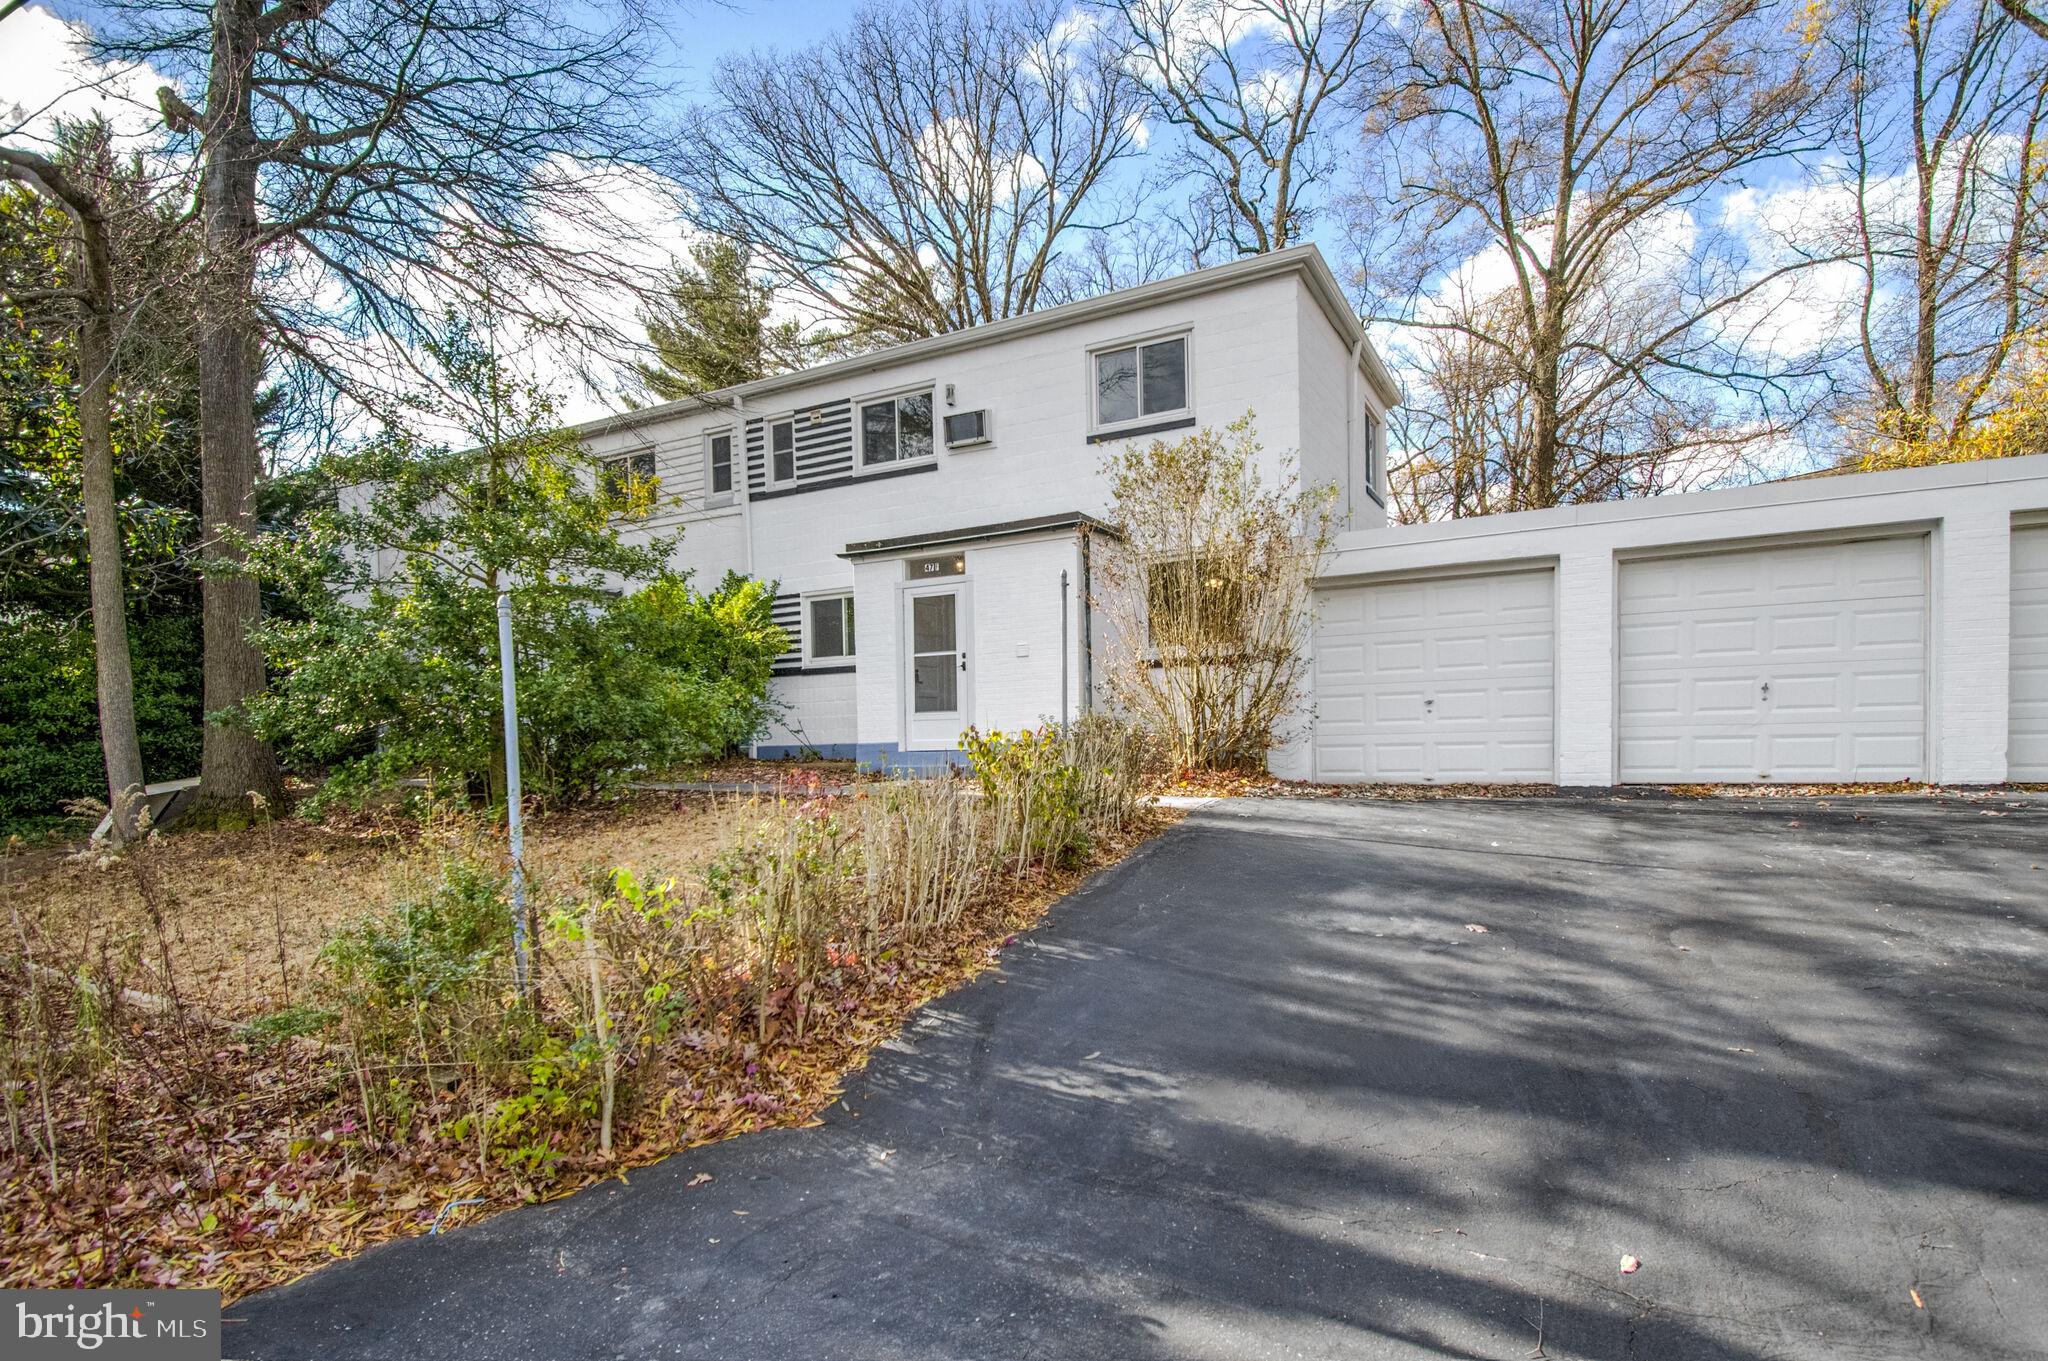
(718, 465)
(828, 629)
(895, 430)
(617, 474)
(1148, 380)
(782, 452)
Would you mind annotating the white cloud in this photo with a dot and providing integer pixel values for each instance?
(47, 74)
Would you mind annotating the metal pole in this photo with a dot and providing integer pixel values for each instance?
(513, 823)
(1064, 720)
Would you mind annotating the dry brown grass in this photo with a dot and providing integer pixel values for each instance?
(230, 896)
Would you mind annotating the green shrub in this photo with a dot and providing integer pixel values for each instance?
(388, 651)
(396, 976)
(49, 711)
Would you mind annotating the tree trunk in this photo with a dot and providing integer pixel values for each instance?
(233, 763)
(119, 745)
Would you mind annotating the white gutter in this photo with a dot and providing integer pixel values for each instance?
(1351, 423)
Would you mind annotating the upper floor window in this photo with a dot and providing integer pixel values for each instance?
(1137, 381)
(782, 451)
(718, 462)
(896, 429)
(617, 474)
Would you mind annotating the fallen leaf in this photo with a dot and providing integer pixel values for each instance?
(1475, 928)
(1631, 1265)
(1918, 1303)
(700, 1179)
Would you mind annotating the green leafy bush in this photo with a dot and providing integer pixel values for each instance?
(391, 976)
(388, 655)
(49, 711)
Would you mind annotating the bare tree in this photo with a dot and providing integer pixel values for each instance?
(922, 171)
(361, 160)
(1205, 596)
(1947, 219)
(1549, 208)
(92, 296)
(1253, 85)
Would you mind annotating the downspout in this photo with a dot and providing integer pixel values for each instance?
(743, 485)
(1087, 624)
(1065, 720)
(1351, 423)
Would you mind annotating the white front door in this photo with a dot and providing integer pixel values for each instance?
(1790, 664)
(1445, 680)
(937, 628)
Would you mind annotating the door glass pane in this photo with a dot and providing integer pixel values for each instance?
(1166, 376)
(878, 432)
(935, 686)
(931, 623)
(914, 425)
(1116, 386)
(783, 438)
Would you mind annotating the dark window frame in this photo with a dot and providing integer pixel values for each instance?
(897, 458)
(1136, 350)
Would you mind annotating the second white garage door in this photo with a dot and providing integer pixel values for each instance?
(1786, 664)
(2027, 739)
(1447, 680)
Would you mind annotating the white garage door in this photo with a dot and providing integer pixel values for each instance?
(1787, 664)
(1446, 680)
(2027, 741)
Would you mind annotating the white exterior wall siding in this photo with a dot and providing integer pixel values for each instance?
(1965, 514)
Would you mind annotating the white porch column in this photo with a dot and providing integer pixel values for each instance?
(1971, 646)
(1585, 667)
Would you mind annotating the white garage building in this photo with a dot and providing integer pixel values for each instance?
(1866, 627)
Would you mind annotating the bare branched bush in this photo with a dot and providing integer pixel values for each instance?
(1207, 602)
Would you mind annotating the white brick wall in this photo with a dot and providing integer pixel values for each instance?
(1966, 509)
(1264, 345)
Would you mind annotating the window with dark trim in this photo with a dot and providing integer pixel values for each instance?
(782, 451)
(718, 457)
(1137, 381)
(617, 474)
(895, 430)
(828, 628)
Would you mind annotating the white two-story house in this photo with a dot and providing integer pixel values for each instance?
(931, 512)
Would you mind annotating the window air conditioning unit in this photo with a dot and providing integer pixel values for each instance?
(967, 428)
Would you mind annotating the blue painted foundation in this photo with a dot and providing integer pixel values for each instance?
(868, 755)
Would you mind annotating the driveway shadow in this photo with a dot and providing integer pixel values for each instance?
(1265, 1090)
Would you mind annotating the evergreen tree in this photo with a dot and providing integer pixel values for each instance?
(713, 330)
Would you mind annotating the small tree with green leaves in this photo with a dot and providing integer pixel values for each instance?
(387, 650)
(1207, 597)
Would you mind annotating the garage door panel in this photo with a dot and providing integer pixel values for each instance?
(1719, 697)
(1398, 657)
(1395, 706)
(1722, 638)
(1396, 762)
(1453, 677)
(1803, 664)
(2026, 751)
(1663, 638)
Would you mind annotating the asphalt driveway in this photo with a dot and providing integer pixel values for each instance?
(1265, 1091)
